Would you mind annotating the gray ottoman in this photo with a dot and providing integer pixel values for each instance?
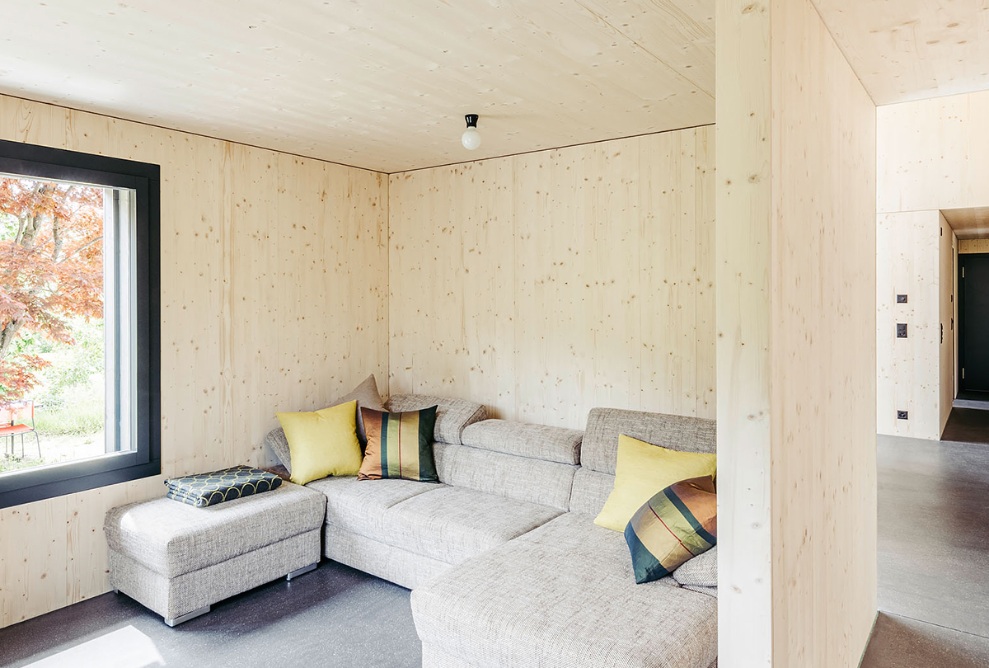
(178, 560)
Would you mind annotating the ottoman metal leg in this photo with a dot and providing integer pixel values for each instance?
(301, 571)
(175, 621)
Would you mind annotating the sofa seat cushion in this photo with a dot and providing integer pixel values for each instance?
(173, 538)
(449, 524)
(453, 524)
(359, 505)
(563, 595)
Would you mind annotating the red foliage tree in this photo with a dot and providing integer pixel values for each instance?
(51, 269)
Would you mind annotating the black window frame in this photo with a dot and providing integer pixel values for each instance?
(41, 162)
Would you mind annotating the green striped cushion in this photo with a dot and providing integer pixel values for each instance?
(399, 445)
(672, 527)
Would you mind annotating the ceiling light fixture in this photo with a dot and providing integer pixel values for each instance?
(471, 138)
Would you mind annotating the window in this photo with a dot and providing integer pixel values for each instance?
(79, 322)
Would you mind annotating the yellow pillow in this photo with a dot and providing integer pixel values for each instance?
(322, 443)
(644, 469)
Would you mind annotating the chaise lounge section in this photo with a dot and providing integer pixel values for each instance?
(564, 594)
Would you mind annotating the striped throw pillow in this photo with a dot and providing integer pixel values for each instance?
(674, 526)
(399, 445)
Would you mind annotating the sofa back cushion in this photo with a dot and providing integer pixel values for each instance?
(513, 477)
(599, 450)
(534, 441)
(452, 415)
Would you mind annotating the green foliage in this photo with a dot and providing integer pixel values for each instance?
(72, 366)
(80, 413)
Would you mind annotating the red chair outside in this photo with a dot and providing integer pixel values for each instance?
(14, 416)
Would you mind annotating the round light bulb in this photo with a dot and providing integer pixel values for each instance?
(471, 138)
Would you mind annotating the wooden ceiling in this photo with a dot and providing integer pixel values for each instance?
(912, 49)
(968, 223)
(378, 84)
(384, 85)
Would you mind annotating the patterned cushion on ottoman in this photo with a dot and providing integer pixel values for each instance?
(209, 489)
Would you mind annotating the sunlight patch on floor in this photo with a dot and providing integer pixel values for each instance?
(123, 648)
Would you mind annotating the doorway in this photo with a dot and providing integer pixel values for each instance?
(973, 326)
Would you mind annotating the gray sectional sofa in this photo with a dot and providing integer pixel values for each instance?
(504, 561)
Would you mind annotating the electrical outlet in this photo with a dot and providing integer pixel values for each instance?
(901, 299)
(902, 415)
(901, 330)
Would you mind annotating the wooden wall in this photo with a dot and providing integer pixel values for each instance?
(967, 246)
(545, 284)
(907, 259)
(796, 317)
(933, 155)
(947, 254)
(274, 288)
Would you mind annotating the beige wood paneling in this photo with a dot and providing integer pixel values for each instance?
(946, 309)
(824, 357)
(743, 261)
(973, 246)
(545, 284)
(912, 49)
(908, 369)
(364, 84)
(934, 154)
(968, 224)
(796, 321)
(273, 297)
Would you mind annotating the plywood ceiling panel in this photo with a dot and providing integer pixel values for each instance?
(968, 223)
(906, 50)
(376, 84)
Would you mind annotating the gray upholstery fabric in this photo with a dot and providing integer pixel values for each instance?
(511, 476)
(453, 524)
(444, 523)
(590, 491)
(173, 597)
(707, 591)
(563, 596)
(445, 454)
(366, 395)
(173, 538)
(434, 657)
(276, 442)
(701, 571)
(599, 450)
(452, 415)
(536, 441)
(387, 562)
(360, 505)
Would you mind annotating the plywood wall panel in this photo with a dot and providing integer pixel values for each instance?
(545, 284)
(947, 246)
(743, 260)
(907, 368)
(933, 154)
(823, 349)
(973, 246)
(274, 283)
(796, 348)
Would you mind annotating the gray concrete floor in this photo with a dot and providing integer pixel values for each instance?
(934, 549)
(334, 617)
